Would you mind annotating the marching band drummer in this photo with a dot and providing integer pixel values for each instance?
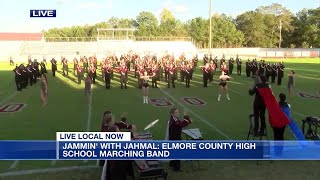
(123, 125)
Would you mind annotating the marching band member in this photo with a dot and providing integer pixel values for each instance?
(24, 75)
(18, 77)
(75, 64)
(92, 73)
(123, 76)
(223, 67)
(254, 67)
(268, 71)
(171, 75)
(231, 62)
(261, 68)
(29, 74)
(107, 75)
(182, 71)
(189, 71)
(206, 74)
(195, 61)
(155, 76)
(53, 67)
(248, 68)
(103, 70)
(65, 66)
(280, 72)
(223, 85)
(85, 64)
(239, 63)
(212, 70)
(273, 73)
(43, 68)
(79, 73)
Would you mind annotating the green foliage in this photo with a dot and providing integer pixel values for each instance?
(258, 28)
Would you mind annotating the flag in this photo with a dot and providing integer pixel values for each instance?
(296, 131)
(277, 118)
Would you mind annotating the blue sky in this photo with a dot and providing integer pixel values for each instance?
(14, 14)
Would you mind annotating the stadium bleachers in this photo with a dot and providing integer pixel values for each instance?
(10, 48)
(99, 48)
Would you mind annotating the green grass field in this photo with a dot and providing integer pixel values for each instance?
(68, 111)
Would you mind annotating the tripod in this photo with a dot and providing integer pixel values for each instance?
(251, 130)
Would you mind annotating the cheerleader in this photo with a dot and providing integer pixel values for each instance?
(223, 88)
(145, 87)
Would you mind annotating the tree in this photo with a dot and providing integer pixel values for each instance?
(275, 17)
(113, 22)
(224, 32)
(167, 23)
(198, 29)
(147, 24)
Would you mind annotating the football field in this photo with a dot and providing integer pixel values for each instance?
(68, 110)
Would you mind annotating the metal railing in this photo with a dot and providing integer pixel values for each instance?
(107, 38)
(173, 38)
(70, 39)
(135, 38)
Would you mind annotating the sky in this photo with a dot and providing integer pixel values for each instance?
(15, 14)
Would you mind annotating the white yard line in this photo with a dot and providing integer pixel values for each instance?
(48, 170)
(196, 115)
(14, 164)
(89, 118)
(89, 114)
(8, 98)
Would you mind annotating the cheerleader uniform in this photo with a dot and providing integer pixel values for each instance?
(145, 83)
(223, 82)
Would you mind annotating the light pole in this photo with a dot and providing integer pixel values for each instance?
(280, 38)
(210, 31)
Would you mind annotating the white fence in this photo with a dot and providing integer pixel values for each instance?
(262, 52)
